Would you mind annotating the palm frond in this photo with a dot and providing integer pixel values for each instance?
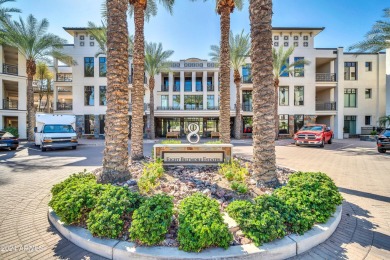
(152, 8)
(5, 11)
(156, 59)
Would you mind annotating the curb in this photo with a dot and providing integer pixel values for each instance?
(289, 246)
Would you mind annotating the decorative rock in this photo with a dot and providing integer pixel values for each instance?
(132, 182)
(207, 192)
(245, 241)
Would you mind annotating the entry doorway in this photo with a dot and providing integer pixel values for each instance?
(298, 122)
(10, 121)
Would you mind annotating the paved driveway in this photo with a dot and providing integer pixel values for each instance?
(362, 174)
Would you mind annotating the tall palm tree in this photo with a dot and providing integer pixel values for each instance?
(239, 51)
(281, 65)
(384, 121)
(264, 170)
(141, 9)
(115, 159)
(224, 8)
(5, 11)
(378, 38)
(44, 77)
(156, 61)
(31, 39)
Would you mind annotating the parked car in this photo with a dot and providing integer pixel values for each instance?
(383, 141)
(8, 141)
(313, 134)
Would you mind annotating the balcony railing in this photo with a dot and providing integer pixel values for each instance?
(168, 108)
(164, 88)
(64, 106)
(212, 107)
(210, 87)
(64, 77)
(327, 106)
(10, 69)
(176, 88)
(10, 104)
(326, 77)
(247, 107)
(247, 79)
(190, 107)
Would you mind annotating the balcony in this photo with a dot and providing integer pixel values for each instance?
(327, 106)
(165, 108)
(326, 77)
(64, 77)
(191, 107)
(212, 107)
(164, 88)
(210, 87)
(10, 69)
(64, 106)
(247, 79)
(10, 104)
(247, 107)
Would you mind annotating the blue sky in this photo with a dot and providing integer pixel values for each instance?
(195, 26)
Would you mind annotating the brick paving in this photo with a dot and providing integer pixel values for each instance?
(362, 175)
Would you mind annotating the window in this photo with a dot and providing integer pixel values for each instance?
(89, 95)
(210, 86)
(298, 95)
(368, 66)
(285, 38)
(210, 102)
(82, 37)
(176, 101)
(193, 102)
(368, 93)
(92, 38)
(296, 38)
(350, 97)
(246, 74)
(164, 101)
(295, 44)
(283, 96)
(299, 70)
(102, 96)
(276, 38)
(305, 38)
(165, 86)
(81, 43)
(89, 67)
(284, 71)
(176, 84)
(247, 124)
(305, 44)
(102, 120)
(283, 124)
(247, 100)
(89, 124)
(350, 71)
(285, 44)
(102, 67)
(198, 84)
(91, 44)
(276, 44)
(188, 84)
(367, 120)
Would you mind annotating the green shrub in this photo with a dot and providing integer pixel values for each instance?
(12, 130)
(373, 132)
(239, 187)
(152, 220)
(113, 205)
(201, 224)
(73, 203)
(74, 179)
(233, 171)
(214, 142)
(261, 221)
(171, 141)
(151, 173)
(310, 195)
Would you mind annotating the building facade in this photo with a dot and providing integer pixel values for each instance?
(346, 91)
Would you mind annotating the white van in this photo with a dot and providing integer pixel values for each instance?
(55, 131)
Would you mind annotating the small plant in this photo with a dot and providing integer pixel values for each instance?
(171, 141)
(112, 208)
(149, 178)
(239, 187)
(201, 224)
(373, 132)
(12, 130)
(74, 179)
(233, 171)
(214, 142)
(152, 220)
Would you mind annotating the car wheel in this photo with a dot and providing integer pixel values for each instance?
(330, 141)
(13, 148)
(296, 144)
(74, 147)
(381, 150)
(322, 143)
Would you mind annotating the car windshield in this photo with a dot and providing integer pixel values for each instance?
(58, 129)
(386, 133)
(311, 128)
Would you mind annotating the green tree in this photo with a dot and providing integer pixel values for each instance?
(31, 39)
(281, 66)
(44, 78)
(5, 11)
(156, 61)
(384, 121)
(264, 159)
(378, 38)
(141, 10)
(239, 51)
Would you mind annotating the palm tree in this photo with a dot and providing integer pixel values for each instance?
(378, 38)
(156, 61)
(224, 8)
(115, 159)
(141, 9)
(5, 11)
(384, 121)
(264, 167)
(31, 39)
(239, 51)
(44, 77)
(282, 66)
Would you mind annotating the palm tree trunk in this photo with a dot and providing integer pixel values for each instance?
(264, 168)
(137, 123)
(276, 86)
(31, 70)
(224, 107)
(115, 160)
(237, 81)
(151, 105)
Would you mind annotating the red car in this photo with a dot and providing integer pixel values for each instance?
(314, 135)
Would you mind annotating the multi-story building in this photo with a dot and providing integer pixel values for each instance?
(346, 91)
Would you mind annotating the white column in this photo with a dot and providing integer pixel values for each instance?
(1, 95)
(181, 90)
(55, 97)
(22, 94)
(216, 87)
(339, 97)
(170, 90)
(1, 58)
(331, 95)
(204, 82)
(193, 81)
